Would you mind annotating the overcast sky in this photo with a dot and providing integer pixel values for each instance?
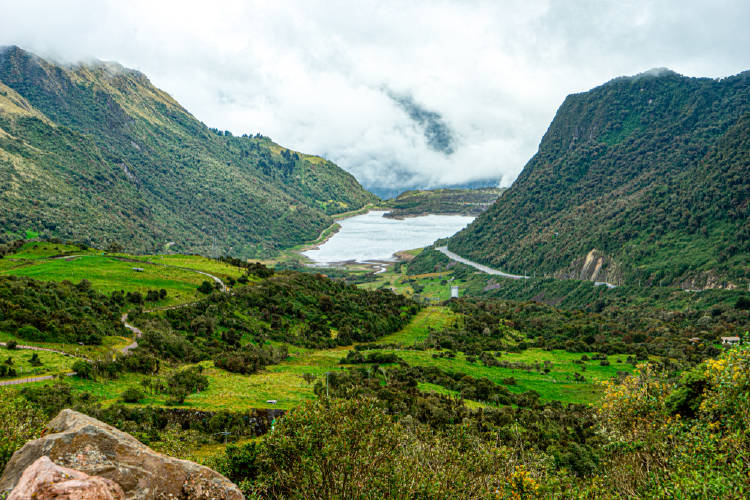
(401, 94)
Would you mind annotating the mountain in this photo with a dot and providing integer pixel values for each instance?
(418, 202)
(643, 179)
(95, 153)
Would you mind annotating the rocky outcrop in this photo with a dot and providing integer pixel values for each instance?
(85, 444)
(44, 480)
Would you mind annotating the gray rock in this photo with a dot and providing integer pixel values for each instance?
(85, 444)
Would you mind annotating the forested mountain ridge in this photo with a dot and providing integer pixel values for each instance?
(643, 179)
(94, 152)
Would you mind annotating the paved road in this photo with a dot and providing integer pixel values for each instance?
(481, 267)
(497, 272)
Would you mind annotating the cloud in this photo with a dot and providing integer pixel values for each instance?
(437, 133)
(482, 79)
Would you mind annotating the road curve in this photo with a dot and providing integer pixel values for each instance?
(476, 265)
(496, 272)
(124, 320)
(137, 332)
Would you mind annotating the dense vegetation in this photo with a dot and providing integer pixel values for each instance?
(57, 312)
(297, 308)
(653, 436)
(97, 154)
(651, 172)
(441, 201)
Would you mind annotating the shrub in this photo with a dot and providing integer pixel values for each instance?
(132, 395)
(11, 344)
(83, 369)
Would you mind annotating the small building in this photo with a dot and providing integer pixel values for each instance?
(694, 340)
(271, 401)
(454, 292)
(730, 341)
(138, 269)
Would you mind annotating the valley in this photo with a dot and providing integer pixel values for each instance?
(229, 301)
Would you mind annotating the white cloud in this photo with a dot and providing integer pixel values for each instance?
(312, 74)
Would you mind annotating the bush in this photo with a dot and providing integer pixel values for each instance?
(83, 369)
(132, 395)
(11, 344)
(206, 287)
(21, 422)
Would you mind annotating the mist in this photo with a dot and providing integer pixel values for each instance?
(415, 95)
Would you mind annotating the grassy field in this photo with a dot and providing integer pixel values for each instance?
(51, 363)
(434, 317)
(110, 272)
(196, 262)
(105, 350)
(284, 382)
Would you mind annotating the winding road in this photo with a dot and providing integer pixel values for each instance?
(497, 272)
(476, 265)
(124, 320)
(137, 332)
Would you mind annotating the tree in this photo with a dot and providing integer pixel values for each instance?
(132, 395)
(336, 448)
(206, 287)
(83, 369)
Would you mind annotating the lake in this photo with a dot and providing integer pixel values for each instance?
(371, 236)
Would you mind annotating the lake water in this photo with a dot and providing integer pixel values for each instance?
(371, 236)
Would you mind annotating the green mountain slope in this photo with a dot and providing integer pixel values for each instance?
(644, 179)
(95, 153)
(450, 201)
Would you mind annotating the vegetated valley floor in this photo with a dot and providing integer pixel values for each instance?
(282, 382)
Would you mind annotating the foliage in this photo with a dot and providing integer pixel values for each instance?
(132, 395)
(22, 422)
(298, 308)
(119, 163)
(650, 171)
(655, 452)
(56, 312)
(351, 449)
(441, 201)
(250, 359)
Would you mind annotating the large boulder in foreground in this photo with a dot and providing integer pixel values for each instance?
(45, 480)
(79, 442)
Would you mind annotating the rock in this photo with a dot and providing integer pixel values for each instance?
(44, 480)
(85, 444)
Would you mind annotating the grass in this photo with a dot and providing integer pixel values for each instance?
(554, 386)
(34, 250)
(107, 274)
(435, 317)
(89, 351)
(52, 363)
(284, 383)
(196, 262)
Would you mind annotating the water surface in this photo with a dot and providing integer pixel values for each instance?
(371, 236)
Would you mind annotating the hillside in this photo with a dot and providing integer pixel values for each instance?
(95, 153)
(644, 179)
(441, 201)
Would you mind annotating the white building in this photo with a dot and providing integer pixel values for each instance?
(729, 341)
(454, 292)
